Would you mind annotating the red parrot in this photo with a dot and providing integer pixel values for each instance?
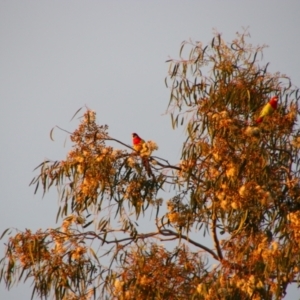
(139, 145)
(137, 142)
(268, 109)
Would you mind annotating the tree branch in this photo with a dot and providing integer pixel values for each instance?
(214, 235)
(168, 232)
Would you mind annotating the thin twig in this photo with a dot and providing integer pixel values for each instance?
(214, 235)
(168, 232)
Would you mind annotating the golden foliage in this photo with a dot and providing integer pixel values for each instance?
(158, 274)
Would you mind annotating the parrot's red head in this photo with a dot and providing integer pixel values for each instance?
(135, 138)
(273, 102)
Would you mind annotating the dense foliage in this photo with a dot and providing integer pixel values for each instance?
(237, 184)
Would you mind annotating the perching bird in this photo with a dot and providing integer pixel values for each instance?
(137, 142)
(268, 109)
(140, 147)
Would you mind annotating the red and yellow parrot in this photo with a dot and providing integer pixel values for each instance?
(268, 109)
(140, 147)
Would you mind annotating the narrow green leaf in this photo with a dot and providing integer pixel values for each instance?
(76, 113)
(33, 292)
(51, 134)
(65, 142)
(89, 223)
(65, 210)
(181, 48)
(174, 72)
(4, 232)
(104, 238)
(94, 254)
(41, 164)
(21, 274)
(172, 121)
(248, 95)
(57, 215)
(36, 188)
(166, 82)
(103, 225)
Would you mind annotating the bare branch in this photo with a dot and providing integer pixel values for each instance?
(214, 235)
(168, 232)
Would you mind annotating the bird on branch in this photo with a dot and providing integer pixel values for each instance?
(140, 146)
(268, 109)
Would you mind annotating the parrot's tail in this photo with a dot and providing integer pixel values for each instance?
(259, 120)
(147, 166)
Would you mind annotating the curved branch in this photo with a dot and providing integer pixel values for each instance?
(112, 139)
(173, 167)
(164, 232)
(214, 235)
(168, 166)
(168, 232)
(116, 241)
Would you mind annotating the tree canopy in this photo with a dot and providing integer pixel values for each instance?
(237, 185)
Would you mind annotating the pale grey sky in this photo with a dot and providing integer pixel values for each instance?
(56, 56)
